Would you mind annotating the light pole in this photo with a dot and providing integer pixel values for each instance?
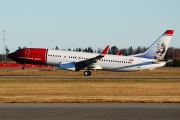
(30, 44)
(4, 45)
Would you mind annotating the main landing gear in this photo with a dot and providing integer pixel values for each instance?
(87, 73)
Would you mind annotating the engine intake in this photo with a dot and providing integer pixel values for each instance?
(67, 66)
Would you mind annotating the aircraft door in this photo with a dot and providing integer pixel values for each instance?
(139, 62)
(27, 53)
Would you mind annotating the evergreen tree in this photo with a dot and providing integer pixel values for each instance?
(56, 48)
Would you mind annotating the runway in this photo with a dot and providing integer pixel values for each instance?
(89, 111)
(96, 77)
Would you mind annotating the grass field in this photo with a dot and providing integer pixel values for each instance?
(14, 90)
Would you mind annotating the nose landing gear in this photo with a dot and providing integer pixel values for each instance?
(22, 67)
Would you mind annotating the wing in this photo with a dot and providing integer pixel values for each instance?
(85, 63)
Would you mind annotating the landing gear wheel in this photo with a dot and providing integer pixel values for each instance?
(22, 67)
(87, 73)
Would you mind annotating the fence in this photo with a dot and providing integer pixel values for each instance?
(17, 65)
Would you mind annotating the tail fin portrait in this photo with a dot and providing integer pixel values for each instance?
(158, 49)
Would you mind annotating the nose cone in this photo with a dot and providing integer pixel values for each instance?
(11, 56)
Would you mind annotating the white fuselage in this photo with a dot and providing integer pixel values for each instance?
(108, 62)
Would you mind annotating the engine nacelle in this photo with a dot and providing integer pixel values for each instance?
(94, 67)
(67, 66)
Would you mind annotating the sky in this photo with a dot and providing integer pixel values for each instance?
(87, 23)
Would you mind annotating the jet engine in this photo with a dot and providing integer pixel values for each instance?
(67, 66)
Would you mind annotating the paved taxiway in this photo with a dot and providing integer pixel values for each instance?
(95, 77)
(89, 111)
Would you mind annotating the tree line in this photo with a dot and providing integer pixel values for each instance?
(172, 53)
(112, 50)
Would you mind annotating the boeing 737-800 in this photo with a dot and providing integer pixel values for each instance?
(75, 61)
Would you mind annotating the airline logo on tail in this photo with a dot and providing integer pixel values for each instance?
(159, 47)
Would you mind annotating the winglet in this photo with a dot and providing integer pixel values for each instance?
(105, 50)
(119, 52)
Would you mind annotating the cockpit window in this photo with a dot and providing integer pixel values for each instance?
(17, 51)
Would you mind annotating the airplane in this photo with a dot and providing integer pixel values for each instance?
(76, 61)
